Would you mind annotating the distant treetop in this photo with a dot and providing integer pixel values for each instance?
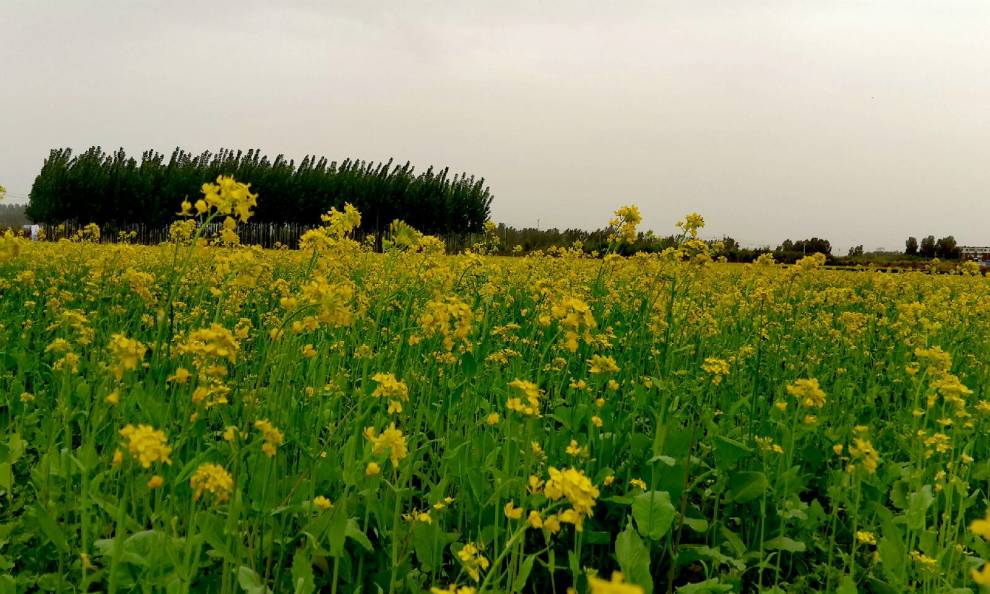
(114, 188)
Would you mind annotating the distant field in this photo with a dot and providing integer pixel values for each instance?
(192, 417)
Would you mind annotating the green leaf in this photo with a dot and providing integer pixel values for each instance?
(891, 549)
(899, 494)
(634, 558)
(729, 451)
(524, 570)
(337, 531)
(734, 542)
(429, 549)
(149, 548)
(711, 586)
(302, 573)
(918, 504)
(879, 587)
(250, 581)
(353, 532)
(212, 529)
(16, 447)
(747, 485)
(10, 452)
(601, 537)
(469, 364)
(847, 586)
(687, 554)
(782, 543)
(654, 513)
(667, 460)
(49, 527)
(6, 476)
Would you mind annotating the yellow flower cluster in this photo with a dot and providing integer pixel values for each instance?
(717, 368)
(472, 560)
(392, 388)
(208, 344)
(625, 222)
(576, 320)
(339, 224)
(573, 485)
(226, 197)
(602, 364)
(450, 318)
(864, 455)
(766, 445)
(214, 479)
(981, 527)
(127, 353)
(617, 585)
(272, 437)
(453, 589)
(333, 302)
(807, 392)
(391, 441)
(691, 224)
(531, 392)
(147, 444)
(212, 349)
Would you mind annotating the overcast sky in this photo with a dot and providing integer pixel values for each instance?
(863, 122)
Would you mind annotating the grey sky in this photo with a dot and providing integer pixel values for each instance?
(862, 122)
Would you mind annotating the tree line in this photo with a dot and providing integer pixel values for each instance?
(113, 188)
(944, 247)
(12, 216)
(789, 251)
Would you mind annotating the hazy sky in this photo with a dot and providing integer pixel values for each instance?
(862, 122)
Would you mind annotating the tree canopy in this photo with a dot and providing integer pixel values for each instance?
(101, 187)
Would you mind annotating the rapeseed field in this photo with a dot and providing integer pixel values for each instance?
(202, 416)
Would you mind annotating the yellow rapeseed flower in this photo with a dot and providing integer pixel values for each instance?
(391, 441)
(453, 589)
(982, 576)
(531, 392)
(864, 454)
(127, 353)
(616, 585)
(214, 479)
(981, 527)
(602, 364)
(147, 444)
(865, 537)
(512, 512)
(573, 485)
(272, 436)
(807, 392)
(472, 560)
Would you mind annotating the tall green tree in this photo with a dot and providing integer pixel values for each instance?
(947, 248)
(118, 189)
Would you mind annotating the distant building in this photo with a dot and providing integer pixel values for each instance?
(975, 253)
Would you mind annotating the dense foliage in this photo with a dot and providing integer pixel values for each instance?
(113, 188)
(202, 416)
